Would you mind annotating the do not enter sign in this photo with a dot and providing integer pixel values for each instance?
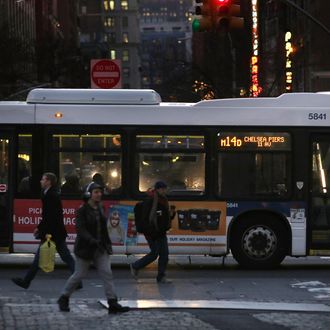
(105, 73)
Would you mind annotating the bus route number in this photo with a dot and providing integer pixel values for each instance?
(317, 116)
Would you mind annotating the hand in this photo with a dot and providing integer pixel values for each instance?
(100, 246)
(36, 233)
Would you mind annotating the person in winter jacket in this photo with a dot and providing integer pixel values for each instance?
(92, 244)
(51, 223)
(159, 215)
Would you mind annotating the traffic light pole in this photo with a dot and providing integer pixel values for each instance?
(306, 13)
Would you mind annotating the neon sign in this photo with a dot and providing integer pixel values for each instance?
(288, 62)
(255, 89)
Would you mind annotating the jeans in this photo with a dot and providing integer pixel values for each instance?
(102, 263)
(64, 253)
(158, 247)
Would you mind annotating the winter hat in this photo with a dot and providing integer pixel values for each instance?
(93, 186)
(160, 184)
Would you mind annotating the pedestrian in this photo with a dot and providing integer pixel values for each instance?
(51, 223)
(92, 244)
(159, 216)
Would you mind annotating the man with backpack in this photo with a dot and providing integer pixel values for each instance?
(156, 216)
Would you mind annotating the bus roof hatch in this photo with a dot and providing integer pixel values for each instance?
(93, 96)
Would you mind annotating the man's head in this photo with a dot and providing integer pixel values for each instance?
(48, 180)
(94, 192)
(160, 187)
(114, 218)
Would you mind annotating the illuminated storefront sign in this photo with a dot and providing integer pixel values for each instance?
(288, 63)
(255, 89)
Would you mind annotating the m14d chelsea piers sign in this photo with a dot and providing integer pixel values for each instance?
(105, 73)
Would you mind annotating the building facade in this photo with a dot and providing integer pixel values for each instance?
(110, 29)
(293, 56)
(17, 42)
(166, 36)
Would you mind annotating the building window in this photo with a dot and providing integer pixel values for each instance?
(109, 22)
(109, 5)
(125, 37)
(125, 55)
(124, 4)
(112, 37)
(125, 21)
(126, 72)
(112, 54)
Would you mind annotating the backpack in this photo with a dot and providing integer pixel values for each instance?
(141, 223)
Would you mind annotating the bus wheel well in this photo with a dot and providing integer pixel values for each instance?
(259, 239)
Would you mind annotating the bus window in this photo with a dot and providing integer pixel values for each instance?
(183, 168)
(24, 163)
(253, 164)
(85, 158)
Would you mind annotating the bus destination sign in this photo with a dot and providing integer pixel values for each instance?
(254, 141)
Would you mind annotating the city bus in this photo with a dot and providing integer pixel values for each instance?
(247, 176)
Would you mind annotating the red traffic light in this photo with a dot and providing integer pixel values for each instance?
(222, 2)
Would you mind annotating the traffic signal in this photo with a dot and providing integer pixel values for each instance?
(203, 23)
(221, 12)
(227, 15)
(236, 22)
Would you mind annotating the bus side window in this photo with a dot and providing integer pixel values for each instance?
(177, 160)
(24, 178)
(83, 158)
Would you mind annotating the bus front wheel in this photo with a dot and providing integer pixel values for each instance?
(259, 244)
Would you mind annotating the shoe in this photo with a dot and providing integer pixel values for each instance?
(21, 282)
(115, 307)
(79, 286)
(134, 271)
(63, 303)
(163, 280)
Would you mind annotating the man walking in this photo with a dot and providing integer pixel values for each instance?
(51, 223)
(92, 244)
(158, 214)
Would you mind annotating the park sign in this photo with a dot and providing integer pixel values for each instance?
(105, 73)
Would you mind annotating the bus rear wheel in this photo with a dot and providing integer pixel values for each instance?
(257, 243)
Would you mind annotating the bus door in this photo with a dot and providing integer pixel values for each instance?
(5, 210)
(320, 193)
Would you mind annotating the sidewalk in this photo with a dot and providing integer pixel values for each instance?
(24, 259)
(86, 314)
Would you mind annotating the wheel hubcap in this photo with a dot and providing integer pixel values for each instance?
(259, 242)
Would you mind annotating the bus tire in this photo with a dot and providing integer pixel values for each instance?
(259, 242)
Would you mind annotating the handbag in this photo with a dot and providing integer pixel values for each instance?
(47, 255)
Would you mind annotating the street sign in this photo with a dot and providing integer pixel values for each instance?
(105, 73)
(3, 187)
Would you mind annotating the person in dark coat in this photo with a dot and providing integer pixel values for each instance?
(159, 215)
(92, 244)
(51, 223)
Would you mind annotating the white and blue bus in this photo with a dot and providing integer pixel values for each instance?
(249, 176)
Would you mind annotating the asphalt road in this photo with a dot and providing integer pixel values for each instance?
(294, 296)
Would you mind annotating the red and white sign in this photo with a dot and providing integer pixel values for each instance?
(105, 73)
(3, 187)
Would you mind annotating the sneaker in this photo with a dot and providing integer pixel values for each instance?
(63, 304)
(163, 280)
(115, 307)
(21, 282)
(134, 271)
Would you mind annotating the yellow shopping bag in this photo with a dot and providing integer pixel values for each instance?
(47, 255)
